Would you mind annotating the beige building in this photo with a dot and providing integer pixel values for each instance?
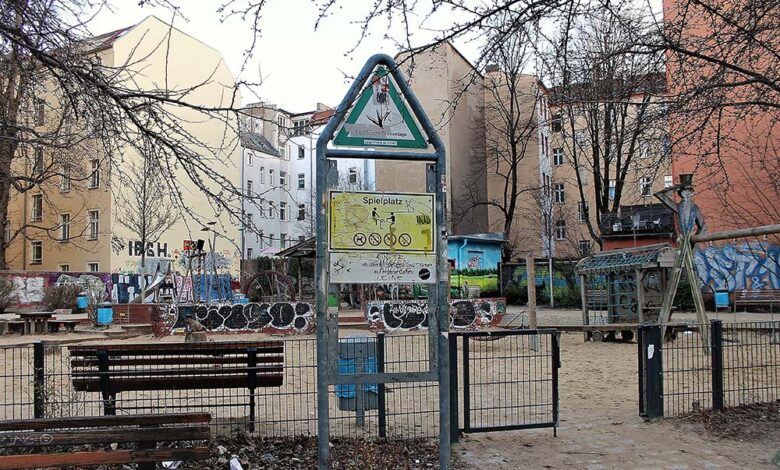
(77, 221)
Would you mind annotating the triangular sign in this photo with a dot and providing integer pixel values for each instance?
(381, 117)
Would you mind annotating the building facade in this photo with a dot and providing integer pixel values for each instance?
(79, 221)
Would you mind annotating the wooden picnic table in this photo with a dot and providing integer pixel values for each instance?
(35, 322)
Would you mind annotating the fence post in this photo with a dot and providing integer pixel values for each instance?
(251, 356)
(556, 360)
(454, 422)
(466, 385)
(380, 368)
(654, 387)
(640, 349)
(39, 390)
(716, 347)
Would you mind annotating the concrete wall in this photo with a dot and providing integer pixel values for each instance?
(406, 315)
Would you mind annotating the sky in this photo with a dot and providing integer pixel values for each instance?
(297, 67)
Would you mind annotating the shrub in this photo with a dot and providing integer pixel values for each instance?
(7, 295)
(63, 296)
(489, 293)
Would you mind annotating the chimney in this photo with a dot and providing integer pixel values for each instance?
(322, 107)
(490, 68)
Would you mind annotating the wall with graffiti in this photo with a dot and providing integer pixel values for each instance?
(125, 287)
(748, 265)
(475, 260)
(30, 286)
(403, 315)
(263, 317)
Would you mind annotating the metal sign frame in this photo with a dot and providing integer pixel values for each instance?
(438, 305)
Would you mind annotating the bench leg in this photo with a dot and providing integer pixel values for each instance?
(147, 465)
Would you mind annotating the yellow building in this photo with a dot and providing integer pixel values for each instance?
(78, 221)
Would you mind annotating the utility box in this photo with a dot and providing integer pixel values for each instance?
(357, 355)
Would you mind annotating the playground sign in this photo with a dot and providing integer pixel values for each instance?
(381, 117)
(381, 222)
(382, 268)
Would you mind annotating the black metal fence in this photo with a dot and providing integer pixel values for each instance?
(733, 364)
(506, 380)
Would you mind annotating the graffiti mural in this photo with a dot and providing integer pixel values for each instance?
(401, 315)
(127, 286)
(750, 265)
(29, 287)
(265, 317)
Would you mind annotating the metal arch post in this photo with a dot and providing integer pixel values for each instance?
(438, 305)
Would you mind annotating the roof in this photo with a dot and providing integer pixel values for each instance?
(629, 259)
(495, 237)
(258, 142)
(608, 90)
(304, 249)
(105, 40)
(320, 118)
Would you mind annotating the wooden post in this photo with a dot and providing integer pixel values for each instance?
(531, 274)
(584, 299)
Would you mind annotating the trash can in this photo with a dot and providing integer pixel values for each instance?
(357, 355)
(105, 315)
(81, 302)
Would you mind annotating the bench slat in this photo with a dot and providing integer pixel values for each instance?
(180, 383)
(102, 457)
(103, 436)
(183, 349)
(42, 424)
(154, 361)
(259, 370)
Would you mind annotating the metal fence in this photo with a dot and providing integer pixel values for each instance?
(38, 381)
(739, 366)
(506, 380)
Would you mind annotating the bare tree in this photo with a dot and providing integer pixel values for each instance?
(510, 136)
(608, 112)
(146, 208)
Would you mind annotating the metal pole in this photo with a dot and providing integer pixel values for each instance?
(550, 269)
(530, 269)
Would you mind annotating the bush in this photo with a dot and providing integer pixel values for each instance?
(58, 297)
(489, 293)
(683, 300)
(568, 298)
(7, 295)
(516, 295)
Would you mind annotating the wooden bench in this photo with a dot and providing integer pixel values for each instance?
(769, 297)
(144, 430)
(113, 369)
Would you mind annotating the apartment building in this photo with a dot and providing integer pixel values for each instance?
(279, 171)
(78, 222)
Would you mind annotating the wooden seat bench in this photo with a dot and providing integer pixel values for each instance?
(70, 325)
(101, 431)
(113, 369)
(769, 297)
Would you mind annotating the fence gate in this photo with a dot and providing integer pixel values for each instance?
(507, 380)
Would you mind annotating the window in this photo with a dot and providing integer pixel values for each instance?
(271, 209)
(644, 149)
(262, 175)
(560, 230)
(271, 177)
(36, 250)
(94, 177)
(544, 145)
(64, 268)
(301, 152)
(557, 156)
(668, 182)
(583, 174)
(64, 227)
(301, 181)
(584, 247)
(283, 152)
(38, 162)
(646, 186)
(261, 206)
(282, 240)
(249, 158)
(301, 212)
(582, 212)
(283, 179)
(557, 122)
(7, 232)
(249, 220)
(560, 193)
(93, 267)
(65, 180)
(301, 238)
(612, 189)
(546, 185)
(249, 253)
(94, 225)
(282, 211)
(37, 208)
(249, 188)
(40, 112)
(353, 176)
(581, 138)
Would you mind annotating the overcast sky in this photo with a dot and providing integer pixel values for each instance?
(298, 66)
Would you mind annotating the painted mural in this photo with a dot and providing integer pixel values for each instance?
(475, 263)
(255, 317)
(730, 267)
(29, 286)
(404, 315)
(127, 286)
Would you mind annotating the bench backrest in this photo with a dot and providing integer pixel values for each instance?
(177, 366)
(757, 294)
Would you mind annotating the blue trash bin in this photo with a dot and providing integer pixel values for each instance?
(357, 355)
(105, 314)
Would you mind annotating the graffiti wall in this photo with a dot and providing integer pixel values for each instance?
(30, 286)
(262, 317)
(127, 286)
(749, 265)
(475, 262)
(402, 315)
